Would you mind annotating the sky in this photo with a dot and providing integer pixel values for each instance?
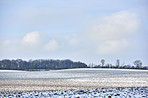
(80, 30)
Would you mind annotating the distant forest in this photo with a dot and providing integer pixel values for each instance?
(40, 64)
(49, 64)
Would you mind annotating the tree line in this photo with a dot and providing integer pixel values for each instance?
(137, 64)
(40, 64)
(49, 64)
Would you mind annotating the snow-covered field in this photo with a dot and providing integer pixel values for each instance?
(72, 73)
(83, 93)
(72, 81)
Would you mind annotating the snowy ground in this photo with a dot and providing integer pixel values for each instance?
(72, 73)
(68, 79)
(84, 93)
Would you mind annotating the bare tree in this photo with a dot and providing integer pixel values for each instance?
(103, 62)
(138, 64)
(117, 63)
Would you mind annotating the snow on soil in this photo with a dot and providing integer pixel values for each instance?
(59, 83)
(72, 73)
(83, 93)
(111, 69)
(2, 71)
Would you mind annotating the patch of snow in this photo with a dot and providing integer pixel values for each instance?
(83, 93)
(12, 71)
(105, 69)
(72, 73)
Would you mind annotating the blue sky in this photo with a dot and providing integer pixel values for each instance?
(80, 30)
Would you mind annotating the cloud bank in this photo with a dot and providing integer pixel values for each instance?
(108, 35)
(111, 33)
(32, 44)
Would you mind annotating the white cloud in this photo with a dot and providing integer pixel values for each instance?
(72, 40)
(51, 45)
(116, 26)
(6, 42)
(112, 47)
(111, 33)
(31, 38)
(31, 45)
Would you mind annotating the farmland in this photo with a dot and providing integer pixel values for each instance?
(68, 79)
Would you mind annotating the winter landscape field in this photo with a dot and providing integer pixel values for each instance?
(73, 48)
(84, 82)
